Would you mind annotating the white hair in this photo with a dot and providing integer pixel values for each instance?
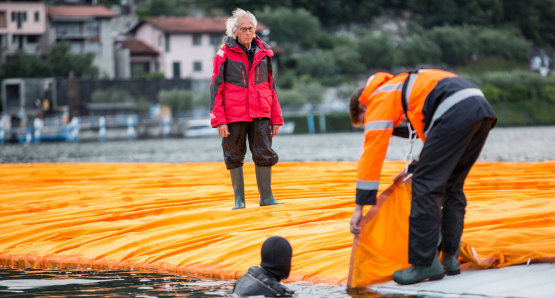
(231, 22)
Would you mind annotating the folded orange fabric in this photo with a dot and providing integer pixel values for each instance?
(178, 218)
(510, 220)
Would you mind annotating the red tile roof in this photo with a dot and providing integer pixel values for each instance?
(138, 47)
(63, 11)
(192, 25)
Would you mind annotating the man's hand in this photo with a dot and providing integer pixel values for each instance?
(403, 178)
(355, 220)
(275, 129)
(222, 130)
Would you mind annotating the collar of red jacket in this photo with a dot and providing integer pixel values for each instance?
(232, 44)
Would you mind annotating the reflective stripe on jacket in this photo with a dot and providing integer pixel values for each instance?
(430, 93)
(238, 93)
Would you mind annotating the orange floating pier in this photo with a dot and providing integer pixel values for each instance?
(177, 218)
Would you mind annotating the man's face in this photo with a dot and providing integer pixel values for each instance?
(244, 31)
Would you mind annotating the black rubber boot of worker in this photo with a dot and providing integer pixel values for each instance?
(264, 182)
(451, 263)
(416, 274)
(238, 187)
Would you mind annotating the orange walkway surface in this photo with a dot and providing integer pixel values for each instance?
(177, 217)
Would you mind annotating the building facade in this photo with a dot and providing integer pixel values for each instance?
(87, 29)
(186, 45)
(22, 27)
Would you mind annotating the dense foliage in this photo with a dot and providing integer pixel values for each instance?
(59, 63)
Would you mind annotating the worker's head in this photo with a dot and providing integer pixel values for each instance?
(362, 97)
(357, 109)
(276, 256)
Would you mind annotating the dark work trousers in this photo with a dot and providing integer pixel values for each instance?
(438, 199)
(259, 134)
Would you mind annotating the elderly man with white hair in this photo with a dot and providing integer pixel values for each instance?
(244, 105)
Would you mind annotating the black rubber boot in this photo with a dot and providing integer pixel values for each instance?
(264, 182)
(238, 187)
(416, 274)
(451, 263)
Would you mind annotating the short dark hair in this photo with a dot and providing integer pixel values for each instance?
(354, 107)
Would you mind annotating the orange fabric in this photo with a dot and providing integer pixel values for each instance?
(382, 246)
(177, 217)
(510, 220)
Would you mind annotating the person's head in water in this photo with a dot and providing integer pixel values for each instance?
(276, 256)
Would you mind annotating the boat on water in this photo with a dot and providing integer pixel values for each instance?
(199, 128)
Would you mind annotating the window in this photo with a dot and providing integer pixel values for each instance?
(167, 42)
(37, 16)
(138, 69)
(3, 21)
(160, 40)
(91, 28)
(32, 38)
(216, 39)
(176, 70)
(197, 66)
(197, 39)
(68, 29)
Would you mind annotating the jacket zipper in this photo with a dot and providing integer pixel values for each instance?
(243, 73)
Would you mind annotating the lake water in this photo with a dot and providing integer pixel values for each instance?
(504, 144)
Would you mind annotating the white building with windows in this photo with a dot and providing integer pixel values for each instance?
(88, 29)
(22, 27)
(186, 45)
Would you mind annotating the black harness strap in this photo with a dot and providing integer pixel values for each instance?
(404, 99)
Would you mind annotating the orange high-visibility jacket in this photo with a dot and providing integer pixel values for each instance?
(429, 94)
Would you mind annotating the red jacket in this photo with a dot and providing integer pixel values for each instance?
(238, 93)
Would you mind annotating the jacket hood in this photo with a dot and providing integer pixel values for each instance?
(374, 82)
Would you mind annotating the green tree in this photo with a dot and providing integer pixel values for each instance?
(456, 43)
(312, 91)
(63, 63)
(418, 49)
(168, 8)
(202, 100)
(347, 59)
(177, 99)
(22, 65)
(111, 95)
(534, 18)
(316, 63)
(377, 51)
(291, 27)
(506, 44)
(291, 98)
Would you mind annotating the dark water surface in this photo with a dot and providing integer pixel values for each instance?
(504, 144)
(85, 283)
